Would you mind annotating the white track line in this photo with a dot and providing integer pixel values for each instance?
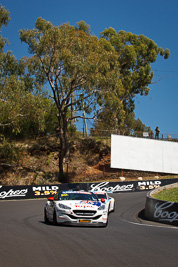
(150, 225)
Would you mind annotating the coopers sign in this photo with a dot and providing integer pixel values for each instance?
(44, 191)
(166, 212)
(29, 192)
(13, 193)
(107, 186)
(161, 211)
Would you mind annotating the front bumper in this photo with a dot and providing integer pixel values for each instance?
(99, 218)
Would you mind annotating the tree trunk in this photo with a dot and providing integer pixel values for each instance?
(61, 166)
(72, 122)
(64, 146)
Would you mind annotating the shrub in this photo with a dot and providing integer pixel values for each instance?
(8, 152)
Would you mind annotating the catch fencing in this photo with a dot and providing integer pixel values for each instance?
(142, 134)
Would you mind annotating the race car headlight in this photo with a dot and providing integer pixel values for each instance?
(61, 206)
(102, 207)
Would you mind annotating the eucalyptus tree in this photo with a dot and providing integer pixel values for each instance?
(4, 20)
(77, 66)
(22, 109)
(8, 67)
(136, 53)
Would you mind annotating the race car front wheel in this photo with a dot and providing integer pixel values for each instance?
(114, 206)
(54, 218)
(45, 217)
(105, 224)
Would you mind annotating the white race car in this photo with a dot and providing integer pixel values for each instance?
(109, 201)
(76, 207)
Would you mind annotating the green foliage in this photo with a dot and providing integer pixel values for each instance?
(24, 109)
(8, 152)
(82, 74)
(131, 124)
(83, 26)
(23, 114)
(71, 59)
(4, 16)
(136, 53)
(78, 67)
(107, 123)
(4, 20)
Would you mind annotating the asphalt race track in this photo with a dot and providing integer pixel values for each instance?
(26, 241)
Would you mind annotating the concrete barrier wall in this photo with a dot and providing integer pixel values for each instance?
(159, 210)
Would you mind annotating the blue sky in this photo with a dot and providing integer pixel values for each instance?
(156, 19)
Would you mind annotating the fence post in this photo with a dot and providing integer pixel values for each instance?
(122, 174)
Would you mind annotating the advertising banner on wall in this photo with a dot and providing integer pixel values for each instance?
(161, 211)
(44, 191)
(144, 154)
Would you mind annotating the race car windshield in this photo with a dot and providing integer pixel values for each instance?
(77, 196)
(101, 196)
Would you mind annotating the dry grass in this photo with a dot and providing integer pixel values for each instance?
(89, 161)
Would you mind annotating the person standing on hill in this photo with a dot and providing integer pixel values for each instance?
(157, 131)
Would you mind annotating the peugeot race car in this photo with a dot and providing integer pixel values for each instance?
(76, 207)
(109, 201)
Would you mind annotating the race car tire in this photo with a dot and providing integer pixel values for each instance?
(54, 218)
(105, 224)
(109, 209)
(45, 217)
(114, 207)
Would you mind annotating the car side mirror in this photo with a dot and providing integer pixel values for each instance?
(51, 198)
(102, 200)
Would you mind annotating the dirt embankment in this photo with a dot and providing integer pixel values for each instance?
(88, 161)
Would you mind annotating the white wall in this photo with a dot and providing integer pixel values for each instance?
(144, 154)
